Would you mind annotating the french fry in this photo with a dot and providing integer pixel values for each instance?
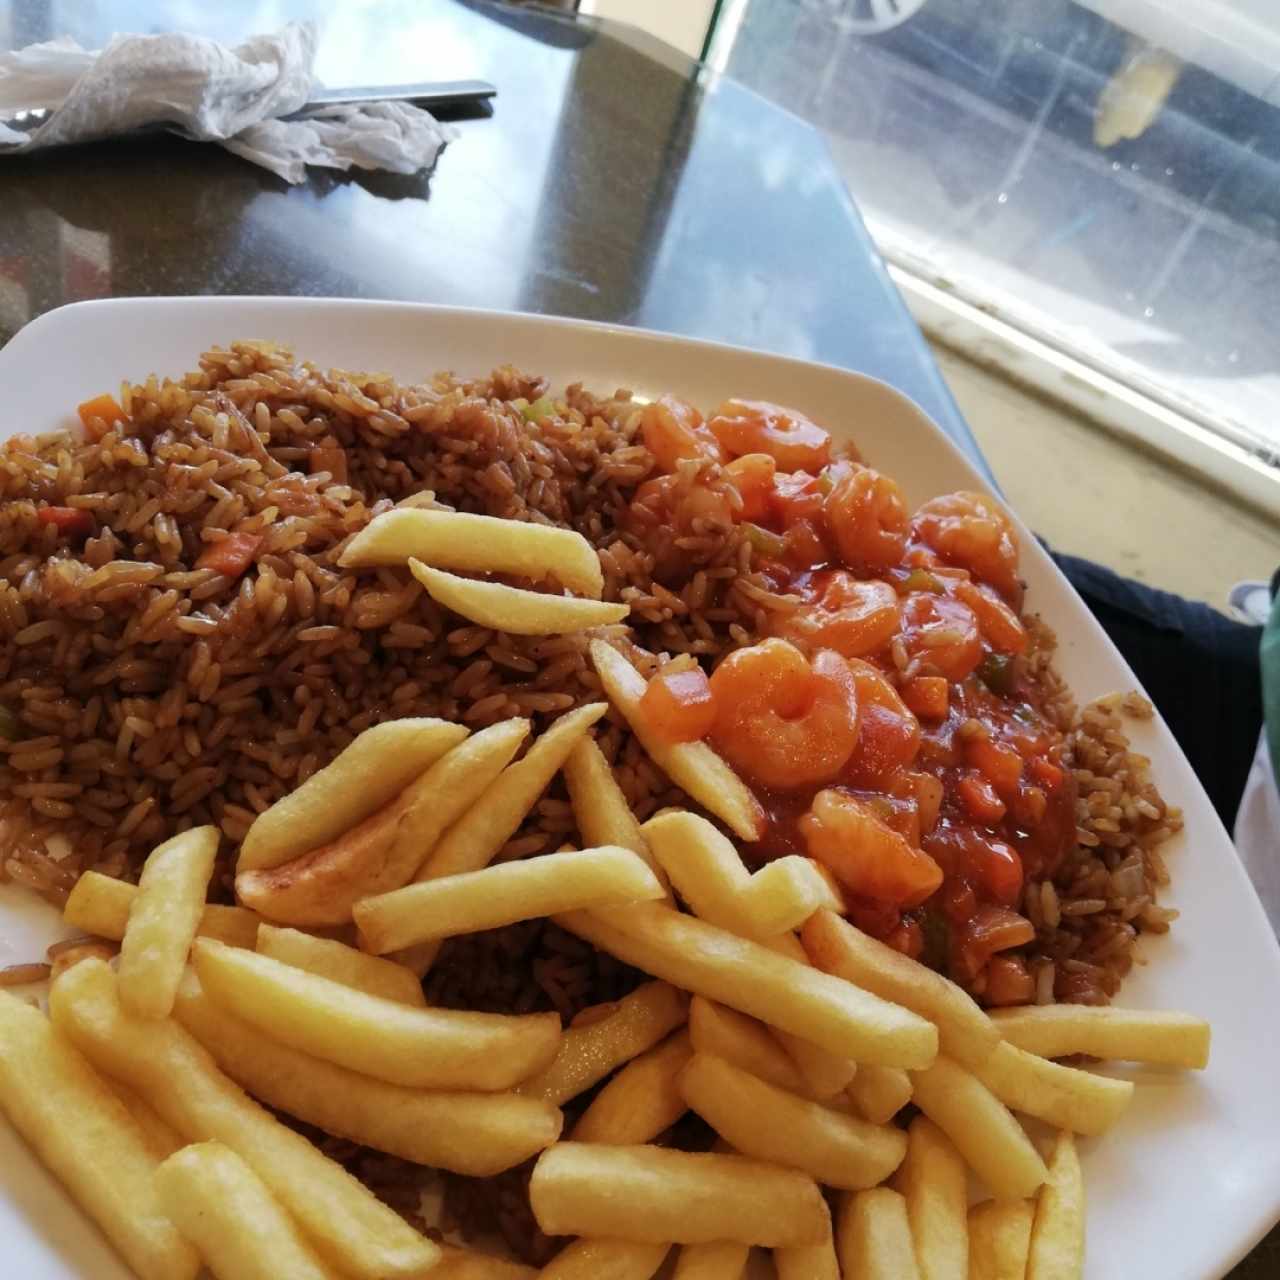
(1103, 1031)
(723, 1260)
(873, 1238)
(605, 1260)
(1061, 1096)
(999, 1233)
(469, 1264)
(512, 609)
(809, 1261)
(162, 1139)
(478, 544)
(363, 778)
(475, 1134)
(599, 807)
(495, 896)
(1057, 1231)
(609, 1036)
(84, 1135)
(933, 1181)
(238, 1227)
(879, 1093)
(418, 1048)
(744, 1042)
(341, 963)
(655, 1195)
(476, 837)
(640, 1101)
(709, 875)
(163, 919)
(986, 1135)
(693, 766)
(351, 1229)
(748, 977)
(766, 1122)
(100, 905)
(965, 1032)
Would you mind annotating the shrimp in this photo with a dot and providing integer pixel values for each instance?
(853, 618)
(864, 853)
(795, 442)
(888, 734)
(673, 431)
(1001, 627)
(942, 634)
(752, 476)
(868, 519)
(973, 531)
(782, 720)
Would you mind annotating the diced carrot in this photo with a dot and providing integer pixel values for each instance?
(980, 799)
(752, 476)
(70, 520)
(1046, 773)
(926, 696)
(1008, 981)
(100, 414)
(678, 704)
(1000, 763)
(331, 458)
(232, 556)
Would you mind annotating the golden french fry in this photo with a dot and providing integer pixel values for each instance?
(161, 1138)
(1061, 1096)
(351, 1229)
(341, 963)
(879, 1093)
(742, 1041)
(238, 1227)
(100, 905)
(478, 544)
(468, 1264)
(693, 766)
(873, 1238)
(599, 807)
(990, 1139)
(809, 1261)
(495, 896)
(512, 609)
(1057, 1231)
(655, 1195)
(456, 781)
(84, 1135)
(933, 1181)
(606, 1037)
(605, 1260)
(1103, 1031)
(360, 780)
(999, 1233)
(748, 977)
(163, 919)
(419, 1048)
(965, 1032)
(476, 1134)
(768, 1123)
(476, 837)
(723, 1260)
(642, 1100)
(709, 875)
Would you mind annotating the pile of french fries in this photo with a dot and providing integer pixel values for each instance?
(798, 1039)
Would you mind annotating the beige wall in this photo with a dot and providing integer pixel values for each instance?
(682, 23)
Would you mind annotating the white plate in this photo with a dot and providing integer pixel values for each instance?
(1190, 1179)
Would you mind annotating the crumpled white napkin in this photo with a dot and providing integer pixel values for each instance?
(213, 93)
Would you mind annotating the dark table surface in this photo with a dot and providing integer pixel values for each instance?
(614, 181)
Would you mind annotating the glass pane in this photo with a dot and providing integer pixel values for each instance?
(1104, 175)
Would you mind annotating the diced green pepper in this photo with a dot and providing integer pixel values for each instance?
(764, 541)
(542, 407)
(996, 672)
(920, 580)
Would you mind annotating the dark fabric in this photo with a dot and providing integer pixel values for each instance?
(1200, 668)
(1269, 656)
